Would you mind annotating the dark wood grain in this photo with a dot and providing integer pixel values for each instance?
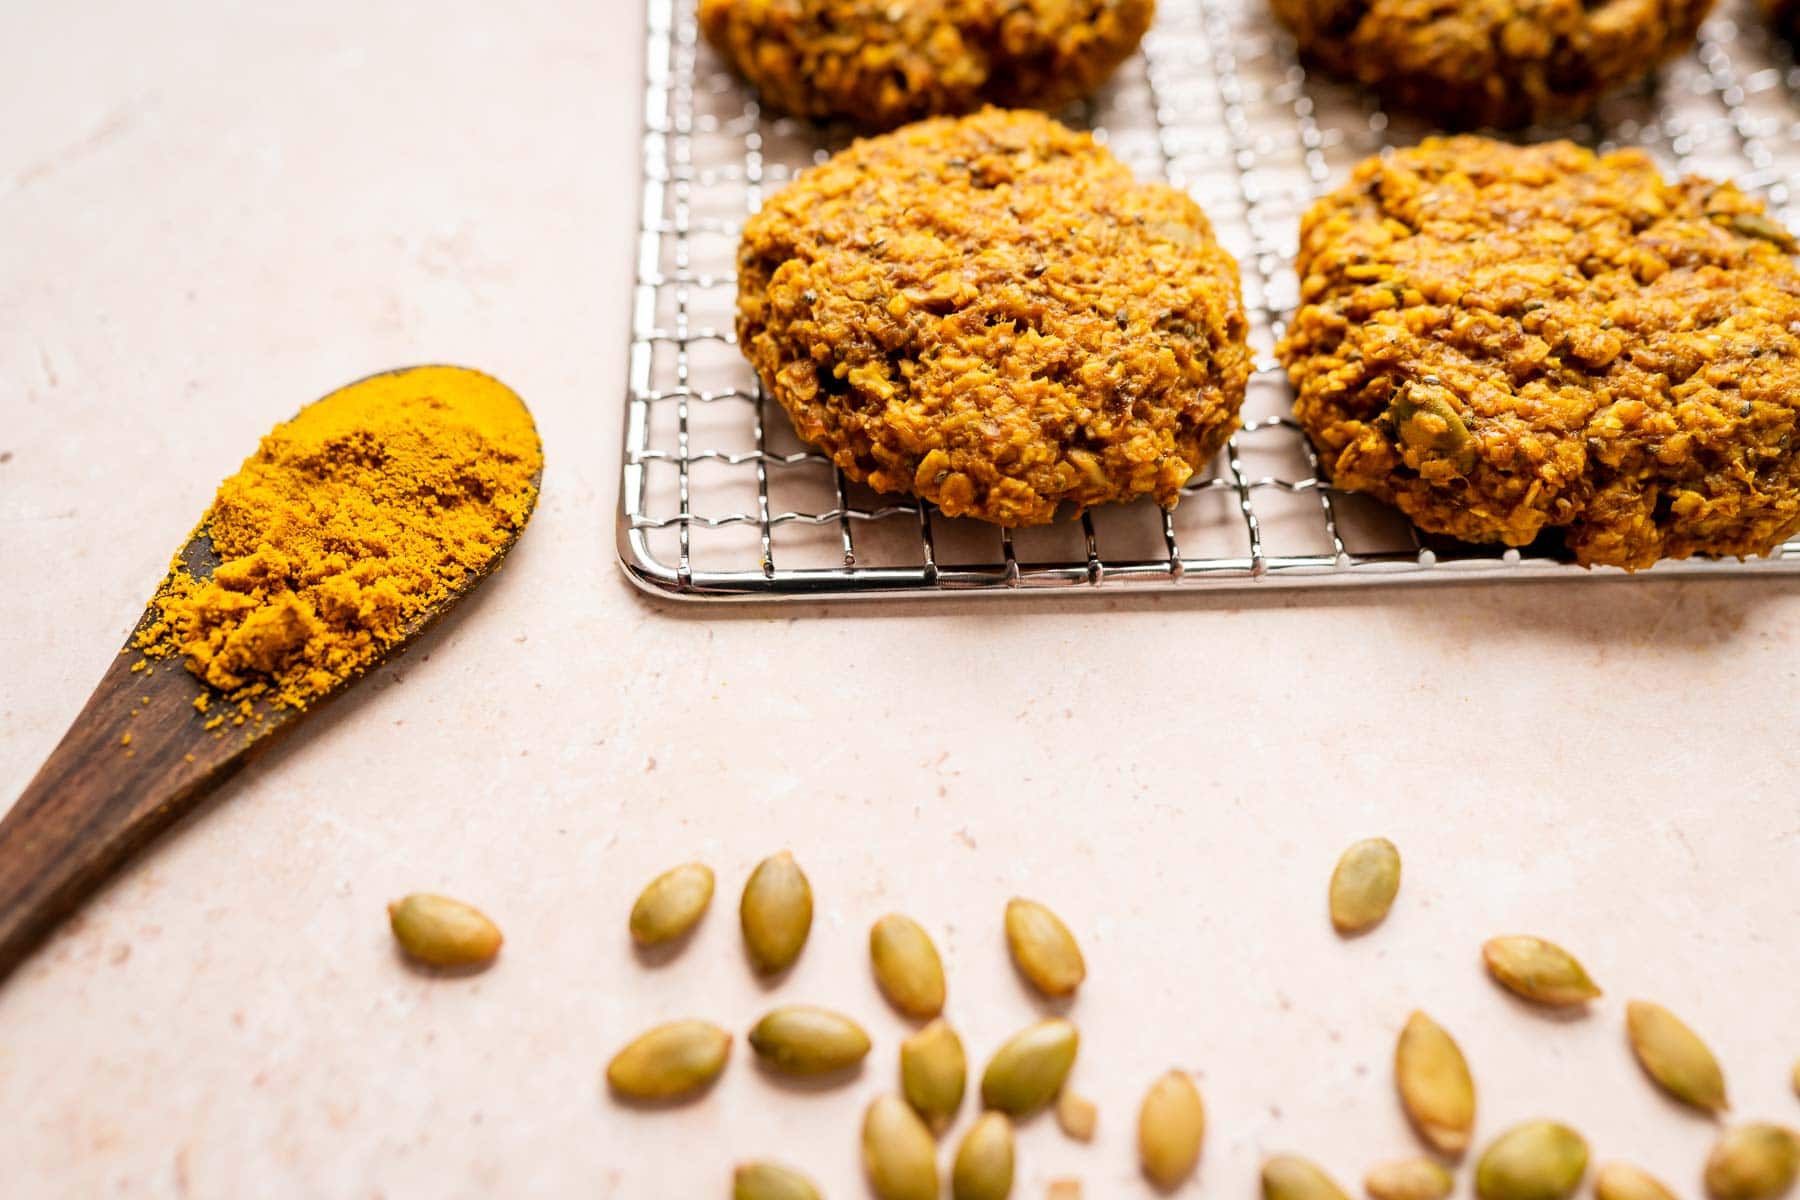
(99, 798)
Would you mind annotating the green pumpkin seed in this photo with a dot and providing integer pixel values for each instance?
(1026, 1073)
(1755, 225)
(1674, 1056)
(799, 1039)
(899, 1155)
(1435, 1086)
(1425, 423)
(1539, 1160)
(776, 913)
(1063, 1189)
(907, 967)
(672, 1060)
(1288, 1177)
(1796, 1079)
(1043, 948)
(1077, 1116)
(1364, 884)
(984, 1162)
(443, 932)
(1616, 1181)
(934, 1072)
(1540, 971)
(1753, 1162)
(1171, 1126)
(1409, 1179)
(771, 1181)
(671, 904)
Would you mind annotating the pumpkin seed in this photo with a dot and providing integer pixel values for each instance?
(1674, 1056)
(899, 1155)
(672, 1060)
(1171, 1125)
(1435, 1086)
(771, 1181)
(798, 1039)
(907, 967)
(1796, 1079)
(1755, 225)
(1539, 1160)
(1427, 424)
(1029, 1069)
(1364, 884)
(934, 1072)
(1409, 1179)
(442, 931)
(1616, 1181)
(1044, 949)
(1540, 971)
(1758, 1161)
(984, 1162)
(776, 913)
(1077, 1116)
(1288, 1177)
(671, 904)
(1063, 1189)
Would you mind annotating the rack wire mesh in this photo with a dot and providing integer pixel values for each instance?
(719, 500)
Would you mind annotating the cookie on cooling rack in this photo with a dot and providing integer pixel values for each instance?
(1503, 340)
(882, 62)
(1503, 63)
(992, 314)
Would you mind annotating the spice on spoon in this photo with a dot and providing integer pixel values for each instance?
(348, 524)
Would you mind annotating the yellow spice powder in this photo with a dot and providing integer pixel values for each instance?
(346, 526)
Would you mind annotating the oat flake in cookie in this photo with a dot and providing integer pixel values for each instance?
(1503, 340)
(881, 62)
(991, 314)
(1467, 63)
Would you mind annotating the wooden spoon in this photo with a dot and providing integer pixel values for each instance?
(137, 758)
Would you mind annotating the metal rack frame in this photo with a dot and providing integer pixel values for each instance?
(718, 501)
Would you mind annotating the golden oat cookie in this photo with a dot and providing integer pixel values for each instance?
(991, 314)
(882, 62)
(1503, 340)
(1468, 63)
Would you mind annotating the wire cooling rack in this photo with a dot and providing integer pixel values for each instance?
(719, 500)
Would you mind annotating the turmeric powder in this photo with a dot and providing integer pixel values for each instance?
(344, 529)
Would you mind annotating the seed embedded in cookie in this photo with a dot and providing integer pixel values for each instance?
(991, 314)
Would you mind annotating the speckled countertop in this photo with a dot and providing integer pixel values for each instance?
(215, 213)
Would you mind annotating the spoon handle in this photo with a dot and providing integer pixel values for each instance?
(136, 759)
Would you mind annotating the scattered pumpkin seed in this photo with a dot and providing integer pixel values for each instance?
(676, 1059)
(1539, 1160)
(442, 931)
(984, 1162)
(771, 1181)
(1674, 1056)
(1417, 1178)
(1364, 884)
(776, 913)
(1796, 1079)
(1171, 1126)
(798, 1039)
(1063, 1189)
(1077, 1116)
(1755, 225)
(1540, 971)
(1044, 949)
(1435, 1086)
(907, 967)
(1617, 1181)
(1029, 1069)
(1289, 1177)
(1758, 1161)
(671, 904)
(899, 1155)
(934, 1072)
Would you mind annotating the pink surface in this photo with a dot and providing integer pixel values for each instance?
(213, 215)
